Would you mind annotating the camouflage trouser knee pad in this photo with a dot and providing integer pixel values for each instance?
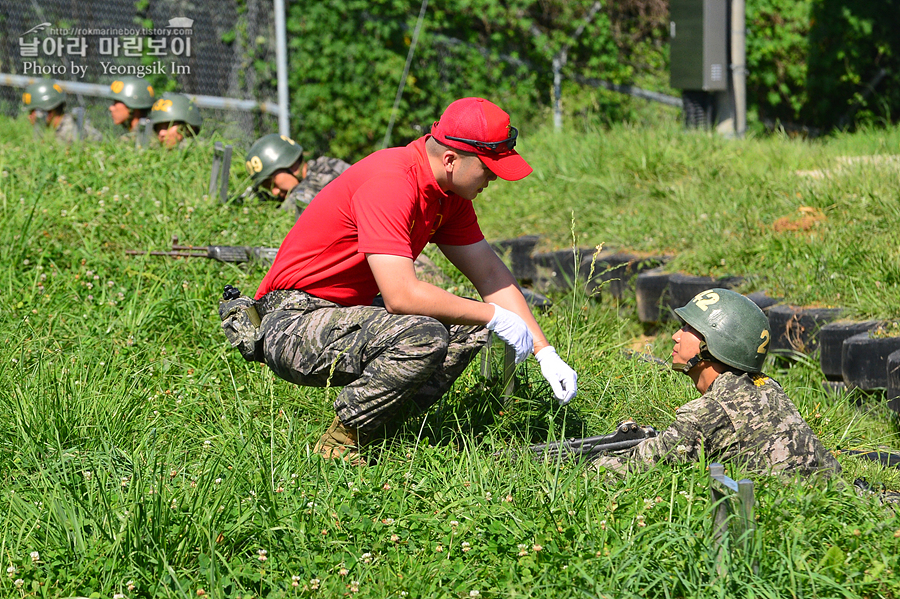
(382, 360)
(390, 379)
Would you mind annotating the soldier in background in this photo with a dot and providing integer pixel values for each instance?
(743, 416)
(131, 98)
(46, 101)
(275, 162)
(176, 119)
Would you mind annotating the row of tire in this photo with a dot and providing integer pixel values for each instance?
(852, 355)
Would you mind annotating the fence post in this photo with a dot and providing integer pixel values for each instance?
(221, 167)
(508, 368)
(733, 505)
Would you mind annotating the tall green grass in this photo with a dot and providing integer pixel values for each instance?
(141, 456)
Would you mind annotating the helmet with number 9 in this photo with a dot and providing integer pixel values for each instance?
(271, 153)
(735, 330)
(43, 95)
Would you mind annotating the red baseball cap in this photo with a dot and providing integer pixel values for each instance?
(481, 127)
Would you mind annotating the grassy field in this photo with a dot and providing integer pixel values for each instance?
(140, 456)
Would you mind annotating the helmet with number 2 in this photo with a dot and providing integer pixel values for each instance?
(175, 108)
(271, 153)
(735, 330)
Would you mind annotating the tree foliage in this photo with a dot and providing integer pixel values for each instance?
(809, 61)
(347, 56)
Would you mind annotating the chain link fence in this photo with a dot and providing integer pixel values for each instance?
(205, 47)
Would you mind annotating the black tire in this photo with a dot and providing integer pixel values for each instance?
(537, 300)
(864, 360)
(519, 251)
(614, 272)
(834, 387)
(893, 381)
(762, 300)
(651, 290)
(831, 341)
(556, 270)
(698, 109)
(683, 288)
(795, 329)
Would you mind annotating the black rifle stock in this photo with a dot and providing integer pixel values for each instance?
(221, 253)
(627, 435)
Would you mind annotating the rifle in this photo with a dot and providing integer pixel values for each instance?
(222, 253)
(628, 434)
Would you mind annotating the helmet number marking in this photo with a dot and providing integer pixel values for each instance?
(254, 165)
(764, 346)
(162, 105)
(706, 300)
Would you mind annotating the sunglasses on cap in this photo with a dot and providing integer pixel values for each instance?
(505, 145)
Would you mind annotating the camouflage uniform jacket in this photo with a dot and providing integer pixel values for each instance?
(68, 130)
(743, 418)
(319, 173)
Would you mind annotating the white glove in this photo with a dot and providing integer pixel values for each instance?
(562, 379)
(510, 327)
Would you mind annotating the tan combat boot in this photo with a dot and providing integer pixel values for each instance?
(340, 443)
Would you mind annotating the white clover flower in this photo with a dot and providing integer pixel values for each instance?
(10, 571)
(295, 581)
(343, 571)
(474, 593)
(366, 558)
(129, 585)
(314, 584)
(466, 546)
(454, 523)
(18, 582)
(35, 556)
(354, 586)
(118, 596)
(218, 481)
(263, 555)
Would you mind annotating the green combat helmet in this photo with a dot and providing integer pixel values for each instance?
(133, 92)
(734, 329)
(271, 153)
(174, 108)
(43, 95)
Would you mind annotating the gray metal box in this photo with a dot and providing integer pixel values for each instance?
(699, 44)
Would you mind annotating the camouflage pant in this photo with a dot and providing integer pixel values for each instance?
(383, 361)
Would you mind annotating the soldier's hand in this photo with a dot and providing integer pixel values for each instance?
(561, 377)
(510, 327)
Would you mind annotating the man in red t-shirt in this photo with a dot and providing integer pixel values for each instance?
(358, 238)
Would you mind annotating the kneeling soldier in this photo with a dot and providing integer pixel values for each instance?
(46, 100)
(743, 416)
(276, 164)
(175, 119)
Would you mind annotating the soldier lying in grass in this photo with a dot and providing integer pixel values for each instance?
(176, 120)
(45, 101)
(275, 162)
(132, 98)
(743, 416)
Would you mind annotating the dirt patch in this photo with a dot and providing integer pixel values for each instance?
(806, 218)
